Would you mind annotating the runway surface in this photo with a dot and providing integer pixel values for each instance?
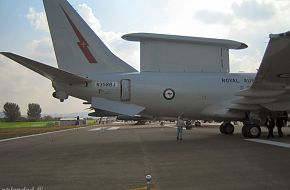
(113, 157)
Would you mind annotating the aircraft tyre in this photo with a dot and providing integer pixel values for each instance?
(197, 124)
(251, 131)
(227, 128)
(188, 125)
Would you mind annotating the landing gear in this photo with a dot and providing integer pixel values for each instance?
(227, 128)
(251, 131)
(188, 125)
(197, 123)
(140, 122)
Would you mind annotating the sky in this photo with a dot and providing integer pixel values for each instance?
(24, 30)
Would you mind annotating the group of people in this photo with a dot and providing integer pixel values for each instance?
(281, 121)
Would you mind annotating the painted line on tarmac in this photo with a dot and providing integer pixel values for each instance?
(274, 143)
(39, 134)
(174, 127)
(113, 128)
(98, 129)
(105, 129)
(170, 126)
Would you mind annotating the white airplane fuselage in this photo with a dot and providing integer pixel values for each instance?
(196, 95)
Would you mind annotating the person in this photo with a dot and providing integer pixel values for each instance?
(270, 123)
(78, 120)
(285, 119)
(180, 124)
(279, 124)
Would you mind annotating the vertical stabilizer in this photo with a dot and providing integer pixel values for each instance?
(77, 48)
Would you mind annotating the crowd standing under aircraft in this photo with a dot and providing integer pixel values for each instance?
(178, 74)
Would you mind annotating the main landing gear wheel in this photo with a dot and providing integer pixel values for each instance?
(197, 124)
(251, 131)
(227, 128)
(188, 125)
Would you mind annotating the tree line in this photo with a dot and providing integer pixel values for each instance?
(12, 112)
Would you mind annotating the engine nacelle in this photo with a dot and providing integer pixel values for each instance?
(61, 95)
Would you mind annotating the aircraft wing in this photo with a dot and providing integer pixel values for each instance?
(47, 71)
(275, 67)
(271, 87)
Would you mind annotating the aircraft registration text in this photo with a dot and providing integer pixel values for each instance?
(107, 84)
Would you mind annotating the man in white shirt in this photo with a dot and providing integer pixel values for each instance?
(180, 124)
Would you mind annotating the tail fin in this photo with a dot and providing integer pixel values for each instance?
(77, 48)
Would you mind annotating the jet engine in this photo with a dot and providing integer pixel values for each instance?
(61, 95)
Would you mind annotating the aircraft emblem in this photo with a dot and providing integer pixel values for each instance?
(83, 44)
(168, 94)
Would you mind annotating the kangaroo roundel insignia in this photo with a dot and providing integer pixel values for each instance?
(168, 94)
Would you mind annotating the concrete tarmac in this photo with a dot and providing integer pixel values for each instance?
(121, 158)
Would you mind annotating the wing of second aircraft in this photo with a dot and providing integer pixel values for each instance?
(271, 88)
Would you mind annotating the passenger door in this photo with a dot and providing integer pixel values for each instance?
(125, 90)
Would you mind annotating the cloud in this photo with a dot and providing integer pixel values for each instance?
(37, 19)
(253, 10)
(42, 50)
(87, 13)
(193, 21)
(127, 51)
(244, 63)
(213, 17)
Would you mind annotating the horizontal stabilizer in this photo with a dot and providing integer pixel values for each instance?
(116, 107)
(47, 71)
